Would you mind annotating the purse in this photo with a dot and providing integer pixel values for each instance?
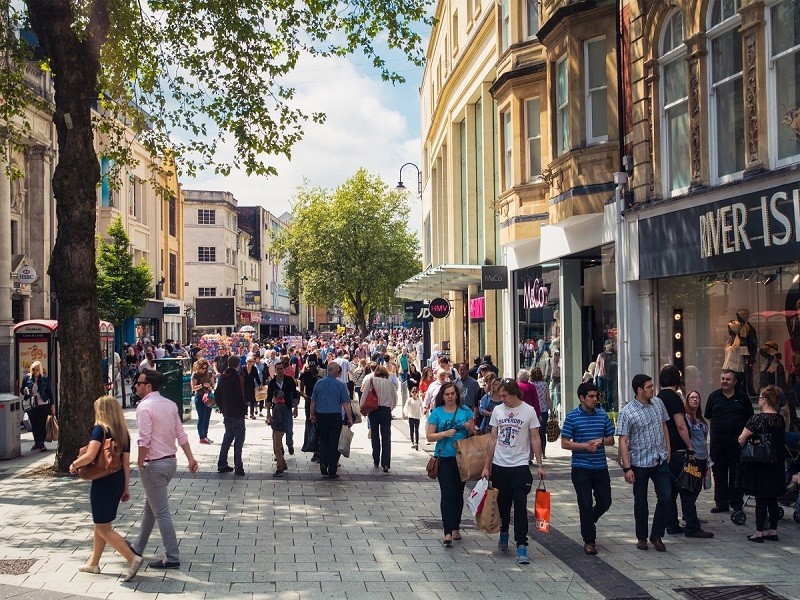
(107, 461)
(28, 403)
(759, 449)
(553, 429)
(433, 467)
(209, 400)
(370, 402)
(691, 477)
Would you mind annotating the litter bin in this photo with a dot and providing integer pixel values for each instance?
(175, 372)
(10, 419)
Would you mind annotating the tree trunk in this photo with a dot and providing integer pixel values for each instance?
(75, 65)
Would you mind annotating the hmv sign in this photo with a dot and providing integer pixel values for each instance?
(494, 277)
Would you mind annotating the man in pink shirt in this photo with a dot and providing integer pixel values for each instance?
(159, 428)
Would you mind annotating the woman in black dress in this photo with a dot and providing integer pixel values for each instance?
(765, 481)
(107, 492)
(251, 381)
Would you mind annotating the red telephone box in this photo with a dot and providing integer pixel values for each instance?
(37, 339)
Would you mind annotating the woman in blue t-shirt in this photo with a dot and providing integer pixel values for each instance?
(448, 423)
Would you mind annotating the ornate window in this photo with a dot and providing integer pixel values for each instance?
(531, 18)
(508, 137)
(533, 138)
(674, 95)
(784, 80)
(505, 25)
(726, 91)
(562, 113)
(596, 91)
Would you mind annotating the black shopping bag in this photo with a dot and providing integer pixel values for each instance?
(310, 438)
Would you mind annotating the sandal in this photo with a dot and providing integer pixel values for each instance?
(456, 537)
(447, 542)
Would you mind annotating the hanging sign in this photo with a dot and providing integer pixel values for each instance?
(439, 308)
(27, 274)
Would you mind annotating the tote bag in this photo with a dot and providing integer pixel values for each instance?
(471, 456)
(542, 509)
(107, 461)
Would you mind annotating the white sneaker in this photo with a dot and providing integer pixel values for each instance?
(133, 568)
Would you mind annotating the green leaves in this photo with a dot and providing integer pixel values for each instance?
(122, 287)
(350, 246)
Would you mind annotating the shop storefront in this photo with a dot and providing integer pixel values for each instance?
(274, 324)
(174, 328)
(145, 325)
(727, 287)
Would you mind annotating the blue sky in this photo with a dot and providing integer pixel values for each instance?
(370, 124)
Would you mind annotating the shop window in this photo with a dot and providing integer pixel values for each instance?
(562, 113)
(207, 254)
(596, 91)
(207, 292)
(674, 95)
(508, 136)
(533, 138)
(784, 80)
(531, 18)
(505, 25)
(206, 216)
(726, 91)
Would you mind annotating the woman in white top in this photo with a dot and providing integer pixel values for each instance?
(380, 420)
(413, 411)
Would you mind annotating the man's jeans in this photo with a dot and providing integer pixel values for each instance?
(688, 500)
(662, 483)
(586, 483)
(234, 434)
(288, 423)
(155, 478)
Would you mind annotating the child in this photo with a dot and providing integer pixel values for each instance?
(413, 411)
(276, 421)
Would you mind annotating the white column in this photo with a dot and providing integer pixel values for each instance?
(6, 285)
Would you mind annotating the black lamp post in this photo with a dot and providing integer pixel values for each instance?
(400, 187)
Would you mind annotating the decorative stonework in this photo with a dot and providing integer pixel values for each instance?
(695, 139)
(750, 95)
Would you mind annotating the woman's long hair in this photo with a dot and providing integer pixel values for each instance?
(698, 416)
(36, 365)
(200, 362)
(108, 413)
(440, 394)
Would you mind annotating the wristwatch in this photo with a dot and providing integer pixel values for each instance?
(626, 469)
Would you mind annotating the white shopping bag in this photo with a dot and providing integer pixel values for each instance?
(477, 495)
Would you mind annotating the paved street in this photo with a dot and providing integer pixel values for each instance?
(366, 535)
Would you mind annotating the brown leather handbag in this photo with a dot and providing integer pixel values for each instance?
(107, 461)
(433, 467)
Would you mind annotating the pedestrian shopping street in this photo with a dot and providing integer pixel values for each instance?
(367, 534)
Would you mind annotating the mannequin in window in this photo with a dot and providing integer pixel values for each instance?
(553, 374)
(736, 354)
(606, 376)
(793, 324)
(772, 372)
(555, 331)
(747, 338)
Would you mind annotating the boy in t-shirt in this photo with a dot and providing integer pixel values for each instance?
(278, 423)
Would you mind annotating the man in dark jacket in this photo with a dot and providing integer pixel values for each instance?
(230, 398)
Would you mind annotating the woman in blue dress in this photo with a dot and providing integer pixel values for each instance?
(107, 492)
(449, 422)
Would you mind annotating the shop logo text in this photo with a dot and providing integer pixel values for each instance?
(535, 294)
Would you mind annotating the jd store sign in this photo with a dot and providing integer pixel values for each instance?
(421, 312)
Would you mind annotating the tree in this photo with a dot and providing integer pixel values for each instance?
(122, 287)
(350, 247)
(177, 74)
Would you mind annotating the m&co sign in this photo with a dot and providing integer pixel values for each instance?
(535, 294)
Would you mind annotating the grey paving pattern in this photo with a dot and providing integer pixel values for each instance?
(361, 536)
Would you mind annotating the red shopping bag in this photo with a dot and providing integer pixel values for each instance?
(542, 509)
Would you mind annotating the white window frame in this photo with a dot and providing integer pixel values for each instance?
(531, 138)
(210, 252)
(731, 23)
(528, 4)
(665, 59)
(505, 25)
(203, 215)
(562, 110)
(508, 153)
(591, 139)
(776, 113)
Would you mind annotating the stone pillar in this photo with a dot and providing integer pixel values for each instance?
(571, 332)
(756, 155)
(39, 243)
(698, 120)
(6, 285)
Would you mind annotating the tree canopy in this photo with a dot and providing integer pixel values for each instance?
(350, 246)
(183, 77)
(122, 287)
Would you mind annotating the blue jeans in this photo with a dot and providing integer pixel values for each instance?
(203, 416)
(662, 482)
(451, 490)
(288, 424)
(234, 434)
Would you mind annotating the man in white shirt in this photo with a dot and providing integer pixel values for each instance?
(344, 374)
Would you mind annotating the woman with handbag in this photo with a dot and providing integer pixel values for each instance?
(107, 492)
(380, 419)
(762, 471)
(449, 422)
(38, 392)
(202, 385)
(698, 430)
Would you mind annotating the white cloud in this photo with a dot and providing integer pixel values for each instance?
(367, 125)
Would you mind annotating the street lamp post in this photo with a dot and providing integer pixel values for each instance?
(400, 187)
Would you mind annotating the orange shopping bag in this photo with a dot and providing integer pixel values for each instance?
(542, 510)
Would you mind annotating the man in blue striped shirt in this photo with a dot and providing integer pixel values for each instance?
(586, 432)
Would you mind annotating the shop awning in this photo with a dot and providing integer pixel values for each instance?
(443, 278)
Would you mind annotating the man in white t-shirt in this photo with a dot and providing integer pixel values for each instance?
(515, 433)
(344, 374)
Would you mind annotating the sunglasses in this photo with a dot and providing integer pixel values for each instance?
(135, 383)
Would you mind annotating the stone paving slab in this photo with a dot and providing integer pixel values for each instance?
(364, 535)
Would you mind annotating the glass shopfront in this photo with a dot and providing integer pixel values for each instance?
(536, 307)
(748, 321)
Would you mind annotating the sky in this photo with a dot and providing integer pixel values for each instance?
(369, 123)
